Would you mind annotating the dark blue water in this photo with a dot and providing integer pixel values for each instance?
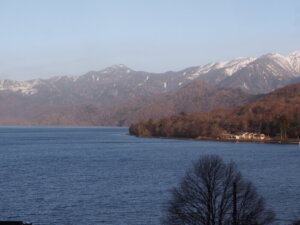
(63, 176)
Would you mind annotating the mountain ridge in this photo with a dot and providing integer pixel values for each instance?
(110, 91)
(218, 74)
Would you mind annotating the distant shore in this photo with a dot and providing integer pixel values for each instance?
(268, 141)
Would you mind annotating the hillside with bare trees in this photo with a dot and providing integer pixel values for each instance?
(275, 115)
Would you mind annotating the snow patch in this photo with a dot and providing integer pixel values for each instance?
(74, 78)
(228, 67)
(294, 59)
(165, 85)
(236, 64)
(26, 87)
(245, 86)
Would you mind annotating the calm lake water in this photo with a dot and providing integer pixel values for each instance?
(63, 176)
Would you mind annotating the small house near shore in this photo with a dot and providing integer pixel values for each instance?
(246, 136)
(259, 136)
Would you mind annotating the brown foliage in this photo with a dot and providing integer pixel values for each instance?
(276, 114)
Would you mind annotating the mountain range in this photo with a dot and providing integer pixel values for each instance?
(119, 95)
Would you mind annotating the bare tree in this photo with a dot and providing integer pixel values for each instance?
(215, 193)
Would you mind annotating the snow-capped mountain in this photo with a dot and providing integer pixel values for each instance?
(254, 75)
(265, 74)
(227, 67)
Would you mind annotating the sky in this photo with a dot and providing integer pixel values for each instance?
(45, 38)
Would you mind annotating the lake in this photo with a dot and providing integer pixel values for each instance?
(64, 176)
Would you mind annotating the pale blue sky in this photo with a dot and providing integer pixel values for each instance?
(43, 38)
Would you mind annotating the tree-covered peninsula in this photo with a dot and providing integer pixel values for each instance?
(275, 116)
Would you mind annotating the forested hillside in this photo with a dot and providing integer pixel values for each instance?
(275, 114)
(198, 96)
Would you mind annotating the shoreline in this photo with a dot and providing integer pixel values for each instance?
(274, 141)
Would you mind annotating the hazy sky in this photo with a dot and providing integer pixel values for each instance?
(43, 38)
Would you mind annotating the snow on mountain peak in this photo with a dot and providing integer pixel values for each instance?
(116, 68)
(294, 59)
(291, 62)
(236, 64)
(295, 54)
(25, 87)
(119, 67)
(272, 56)
(282, 61)
(228, 67)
